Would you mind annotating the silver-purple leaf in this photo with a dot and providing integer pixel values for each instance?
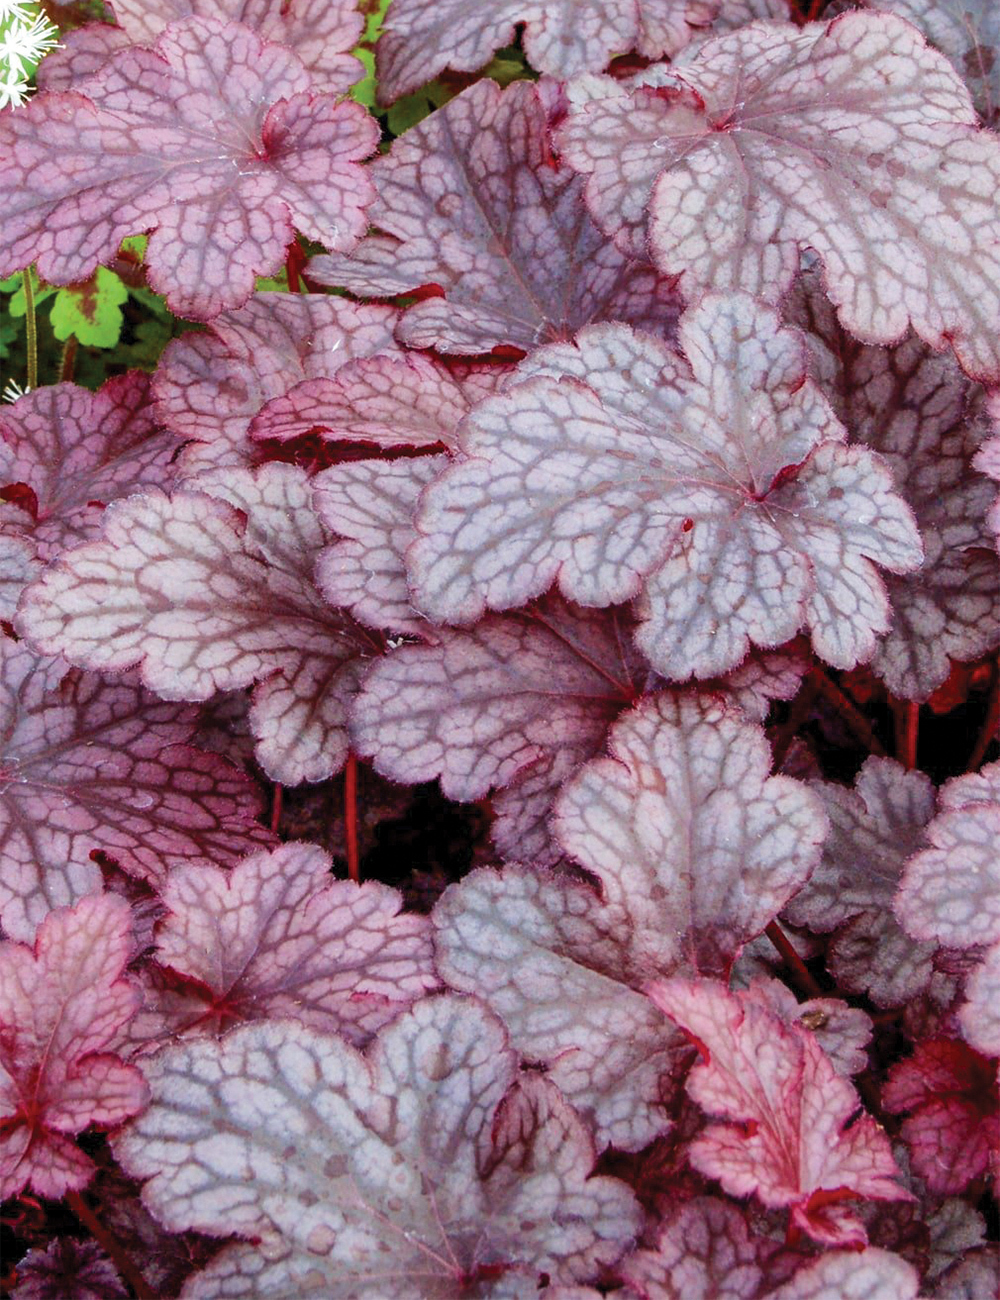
(853, 138)
(471, 201)
(713, 484)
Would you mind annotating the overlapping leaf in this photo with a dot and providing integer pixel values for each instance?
(277, 937)
(212, 139)
(785, 1110)
(211, 593)
(470, 201)
(68, 1270)
(843, 1032)
(562, 37)
(429, 1165)
(980, 1016)
(60, 1007)
(968, 32)
(870, 1274)
(874, 828)
(712, 483)
(852, 138)
(88, 764)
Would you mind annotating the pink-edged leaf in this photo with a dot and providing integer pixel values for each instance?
(785, 1137)
(209, 386)
(870, 1274)
(852, 138)
(949, 1093)
(77, 450)
(470, 201)
(79, 54)
(403, 401)
(518, 698)
(88, 764)
(427, 1164)
(213, 140)
(980, 1016)
(842, 1032)
(68, 1270)
(19, 562)
(212, 593)
(926, 419)
(873, 830)
(967, 32)
(277, 937)
(950, 892)
(713, 483)
(60, 1007)
(561, 37)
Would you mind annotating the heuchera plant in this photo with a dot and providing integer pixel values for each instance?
(499, 617)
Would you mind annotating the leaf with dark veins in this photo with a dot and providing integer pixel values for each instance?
(213, 140)
(471, 201)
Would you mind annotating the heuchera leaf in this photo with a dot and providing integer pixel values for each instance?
(873, 830)
(562, 37)
(976, 1277)
(870, 1274)
(68, 1270)
(428, 1165)
(471, 201)
(212, 139)
(714, 483)
(953, 1129)
(209, 386)
(843, 1032)
(92, 311)
(277, 937)
(980, 1016)
(60, 1006)
(19, 562)
(77, 450)
(88, 764)
(212, 593)
(852, 138)
(785, 1137)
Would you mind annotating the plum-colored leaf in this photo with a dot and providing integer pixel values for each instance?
(77, 450)
(870, 1274)
(561, 37)
(404, 401)
(88, 764)
(949, 1093)
(470, 201)
(976, 1277)
(852, 138)
(926, 419)
(60, 1007)
(209, 386)
(68, 1270)
(980, 1015)
(843, 1032)
(785, 1137)
(213, 140)
(968, 33)
(428, 1164)
(873, 830)
(212, 593)
(276, 936)
(320, 32)
(714, 483)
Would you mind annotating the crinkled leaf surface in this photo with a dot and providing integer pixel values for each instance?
(561, 37)
(714, 483)
(276, 936)
(980, 1016)
(79, 54)
(874, 828)
(951, 891)
(19, 562)
(211, 593)
(68, 1270)
(60, 1006)
(786, 1109)
(950, 1094)
(210, 385)
(77, 450)
(853, 138)
(926, 419)
(968, 32)
(843, 1032)
(870, 1274)
(213, 140)
(88, 764)
(471, 201)
(427, 1169)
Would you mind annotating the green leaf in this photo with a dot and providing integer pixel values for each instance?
(92, 310)
(411, 109)
(364, 90)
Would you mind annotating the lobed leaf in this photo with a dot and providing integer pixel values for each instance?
(209, 593)
(713, 484)
(88, 765)
(870, 1274)
(980, 1015)
(68, 1270)
(843, 1032)
(429, 1164)
(852, 138)
(212, 139)
(61, 1005)
(470, 201)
